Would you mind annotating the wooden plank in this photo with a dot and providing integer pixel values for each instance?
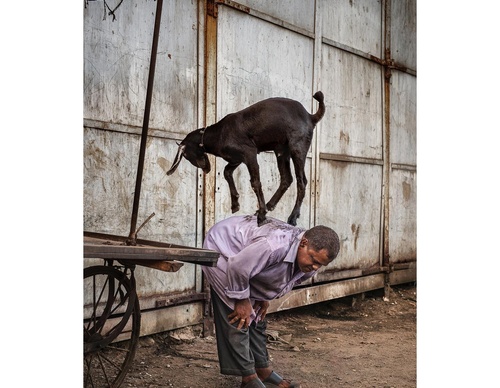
(164, 319)
(165, 266)
(171, 318)
(321, 293)
(114, 248)
(139, 252)
(403, 276)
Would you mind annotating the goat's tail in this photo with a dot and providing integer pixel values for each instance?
(318, 96)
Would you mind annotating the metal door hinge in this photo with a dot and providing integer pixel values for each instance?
(212, 8)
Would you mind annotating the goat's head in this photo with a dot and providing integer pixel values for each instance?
(192, 149)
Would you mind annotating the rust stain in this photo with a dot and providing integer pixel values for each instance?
(355, 232)
(344, 136)
(163, 163)
(95, 156)
(406, 191)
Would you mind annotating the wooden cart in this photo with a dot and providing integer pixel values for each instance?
(112, 315)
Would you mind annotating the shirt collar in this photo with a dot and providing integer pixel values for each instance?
(292, 252)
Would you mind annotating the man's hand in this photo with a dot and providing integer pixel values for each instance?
(261, 307)
(241, 313)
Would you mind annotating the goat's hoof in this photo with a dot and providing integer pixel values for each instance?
(270, 207)
(235, 205)
(261, 219)
(292, 221)
(262, 222)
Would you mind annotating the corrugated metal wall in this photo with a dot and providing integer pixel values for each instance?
(215, 58)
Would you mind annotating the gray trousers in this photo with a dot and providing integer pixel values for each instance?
(240, 351)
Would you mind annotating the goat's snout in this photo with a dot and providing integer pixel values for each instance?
(203, 163)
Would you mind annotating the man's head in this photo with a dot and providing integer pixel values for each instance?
(318, 247)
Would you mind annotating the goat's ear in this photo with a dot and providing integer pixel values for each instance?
(177, 160)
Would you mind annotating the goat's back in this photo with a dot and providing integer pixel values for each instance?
(269, 123)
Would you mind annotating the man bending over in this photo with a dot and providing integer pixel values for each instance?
(258, 264)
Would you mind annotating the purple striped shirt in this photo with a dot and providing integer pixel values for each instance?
(255, 262)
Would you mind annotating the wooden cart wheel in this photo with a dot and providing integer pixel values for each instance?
(111, 326)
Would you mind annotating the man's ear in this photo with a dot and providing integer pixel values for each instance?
(303, 242)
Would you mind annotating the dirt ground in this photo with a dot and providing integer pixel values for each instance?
(361, 341)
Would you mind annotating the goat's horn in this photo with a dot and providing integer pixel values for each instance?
(177, 160)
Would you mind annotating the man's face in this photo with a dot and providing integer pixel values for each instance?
(310, 260)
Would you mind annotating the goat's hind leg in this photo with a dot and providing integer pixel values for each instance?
(253, 169)
(228, 174)
(286, 179)
(298, 164)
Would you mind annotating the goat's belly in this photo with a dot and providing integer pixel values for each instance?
(276, 147)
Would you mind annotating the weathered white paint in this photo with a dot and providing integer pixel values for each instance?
(250, 71)
(356, 24)
(116, 64)
(349, 198)
(403, 185)
(110, 164)
(298, 13)
(403, 216)
(353, 94)
(403, 119)
(404, 32)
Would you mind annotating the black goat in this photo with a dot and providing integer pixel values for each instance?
(276, 124)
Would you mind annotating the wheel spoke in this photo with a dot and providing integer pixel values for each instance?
(96, 302)
(103, 369)
(115, 306)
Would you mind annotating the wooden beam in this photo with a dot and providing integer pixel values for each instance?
(166, 266)
(321, 293)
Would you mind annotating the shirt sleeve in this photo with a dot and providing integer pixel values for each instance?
(241, 267)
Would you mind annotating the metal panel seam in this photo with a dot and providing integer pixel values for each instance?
(266, 17)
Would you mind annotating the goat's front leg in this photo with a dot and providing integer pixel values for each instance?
(228, 174)
(253, 169)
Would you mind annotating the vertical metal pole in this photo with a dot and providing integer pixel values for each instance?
(315, 161)
(387, 142)
(209, 181)
(145, 124)
(387, 128)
